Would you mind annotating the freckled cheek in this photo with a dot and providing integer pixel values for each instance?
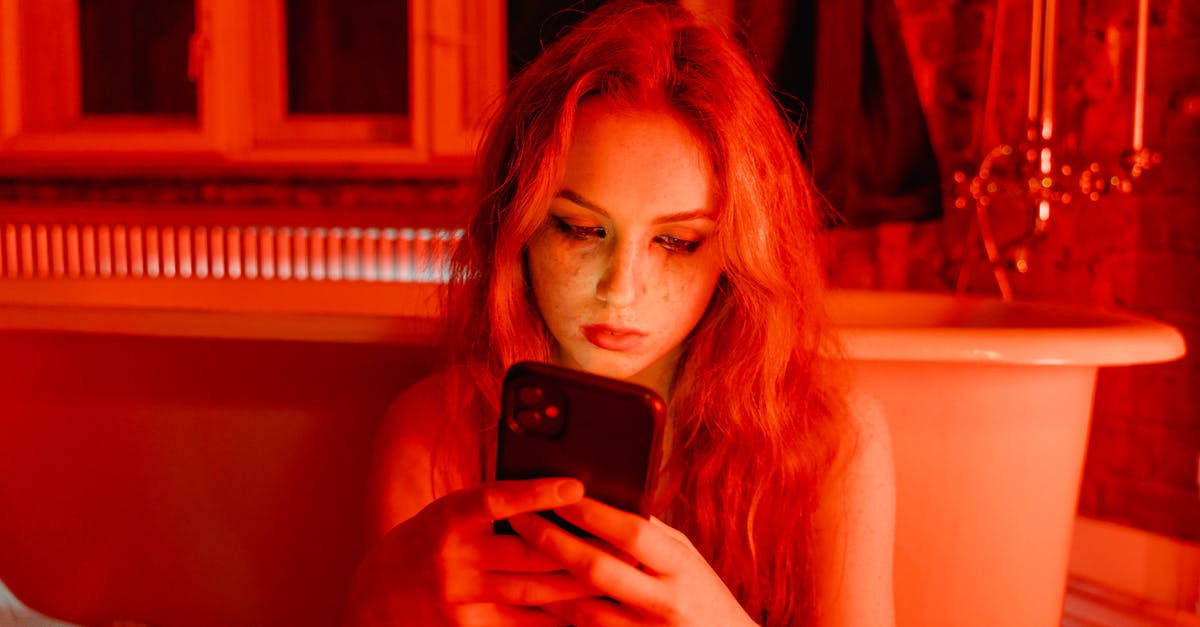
(564, 276)
(686, 292)
(689, 284)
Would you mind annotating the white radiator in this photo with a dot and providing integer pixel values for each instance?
(230, 252)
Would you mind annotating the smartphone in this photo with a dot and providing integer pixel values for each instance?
(558, 422)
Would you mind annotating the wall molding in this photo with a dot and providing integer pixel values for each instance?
(1127, 573)
(1089, 604)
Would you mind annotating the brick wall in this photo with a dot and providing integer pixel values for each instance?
(1139, 252)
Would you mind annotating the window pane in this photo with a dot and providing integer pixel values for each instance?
(134, 56)
(347, 56)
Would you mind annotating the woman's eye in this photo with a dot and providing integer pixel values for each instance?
(576, 231)
(677, 245)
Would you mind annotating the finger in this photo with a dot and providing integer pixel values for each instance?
(673, 532)
(591, 611)
(611, 575)
(523, 589)
(511, 554)
(650, 544)
(498, 615)
(502, 499)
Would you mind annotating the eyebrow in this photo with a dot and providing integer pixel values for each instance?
(683, 216)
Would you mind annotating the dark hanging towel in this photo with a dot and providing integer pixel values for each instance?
(866, 138)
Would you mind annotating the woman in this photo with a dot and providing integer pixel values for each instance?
(646, 218)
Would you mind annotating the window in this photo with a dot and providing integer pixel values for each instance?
(228, 83)
(133, 59)
(322, 79)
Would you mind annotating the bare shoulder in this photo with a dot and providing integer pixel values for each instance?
(407, 422)
(873, 434)
(402, 467)
(866, 462)
(856, 524)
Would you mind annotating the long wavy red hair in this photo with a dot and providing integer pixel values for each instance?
(756, 408)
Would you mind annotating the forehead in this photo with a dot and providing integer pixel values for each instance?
(626, 158)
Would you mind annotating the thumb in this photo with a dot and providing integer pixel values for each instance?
(503, 499)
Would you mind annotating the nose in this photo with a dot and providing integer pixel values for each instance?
(623, 278)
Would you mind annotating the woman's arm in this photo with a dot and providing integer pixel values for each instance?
(401, 479)
(855, 527)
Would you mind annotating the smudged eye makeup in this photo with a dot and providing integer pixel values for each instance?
(678, 244)
(670, 243)
(576, 231)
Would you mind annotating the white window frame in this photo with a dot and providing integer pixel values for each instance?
(457, 53)
(29, 29)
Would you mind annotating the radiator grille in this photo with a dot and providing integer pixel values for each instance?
(419, 255)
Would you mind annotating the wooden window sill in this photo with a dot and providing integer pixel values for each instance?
(326, 311)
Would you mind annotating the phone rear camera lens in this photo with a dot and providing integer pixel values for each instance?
(530, 395)
(529, 419)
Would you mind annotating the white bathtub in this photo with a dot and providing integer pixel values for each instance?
(989, 405)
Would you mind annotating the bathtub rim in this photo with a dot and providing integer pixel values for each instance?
(888, 325)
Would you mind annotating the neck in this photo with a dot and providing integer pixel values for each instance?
(660, 375)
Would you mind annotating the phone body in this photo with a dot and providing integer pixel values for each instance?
(558, 422)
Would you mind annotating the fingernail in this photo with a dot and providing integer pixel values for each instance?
(569, 491)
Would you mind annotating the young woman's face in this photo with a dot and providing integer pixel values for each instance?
(624, 266)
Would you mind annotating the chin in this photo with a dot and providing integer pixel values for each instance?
(614, 365)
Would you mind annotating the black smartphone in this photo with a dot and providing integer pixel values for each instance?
(558, 422)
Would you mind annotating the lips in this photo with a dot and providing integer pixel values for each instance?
(613, 338)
